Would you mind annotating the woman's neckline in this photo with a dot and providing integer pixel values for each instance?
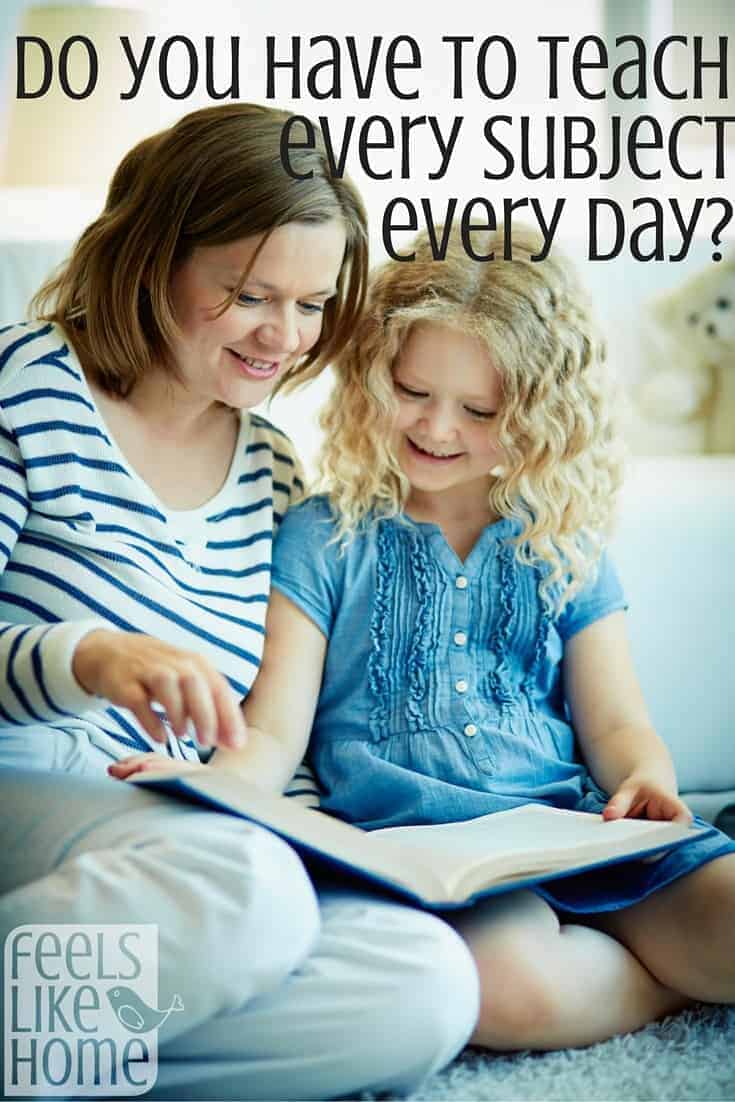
(198, 511)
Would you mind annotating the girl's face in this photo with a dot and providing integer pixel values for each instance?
(448, 396)
(238, 356)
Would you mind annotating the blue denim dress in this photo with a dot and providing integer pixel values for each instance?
(442, 695)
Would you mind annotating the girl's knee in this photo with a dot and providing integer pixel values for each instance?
(684, 934)
(520, 1002)
(517, 1010)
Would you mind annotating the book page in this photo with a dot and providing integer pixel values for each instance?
(443, 863)
(524, 841)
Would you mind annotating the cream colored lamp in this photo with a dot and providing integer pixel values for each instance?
(58, 142)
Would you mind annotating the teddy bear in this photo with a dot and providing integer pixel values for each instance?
(692, 332)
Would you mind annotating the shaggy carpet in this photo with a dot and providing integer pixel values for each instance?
(687, 1056)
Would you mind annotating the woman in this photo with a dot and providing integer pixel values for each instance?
(137, 513)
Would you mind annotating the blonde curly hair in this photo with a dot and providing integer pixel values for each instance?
(562, 463)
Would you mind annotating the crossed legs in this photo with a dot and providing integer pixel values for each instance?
(286, 994)
(548, 985)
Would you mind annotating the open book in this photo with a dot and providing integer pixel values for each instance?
(446, 865)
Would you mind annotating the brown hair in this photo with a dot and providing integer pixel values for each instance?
(214, 177)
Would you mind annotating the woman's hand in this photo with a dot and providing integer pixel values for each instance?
(151, 763)
(641, 797)
(136, 671)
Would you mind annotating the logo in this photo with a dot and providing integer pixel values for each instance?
(81, 1010)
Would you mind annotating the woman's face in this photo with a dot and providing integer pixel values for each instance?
(238, 356)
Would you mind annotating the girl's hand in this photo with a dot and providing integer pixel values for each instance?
(151, 763)
(134, 671)
(642, 798)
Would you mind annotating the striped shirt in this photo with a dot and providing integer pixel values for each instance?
(84, 543)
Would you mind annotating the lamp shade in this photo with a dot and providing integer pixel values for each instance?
(64, 138)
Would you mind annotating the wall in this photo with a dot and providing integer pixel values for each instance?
(34, 228)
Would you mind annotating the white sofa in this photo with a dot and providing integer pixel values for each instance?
(675, 550)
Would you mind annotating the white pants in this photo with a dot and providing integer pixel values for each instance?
(286, 994)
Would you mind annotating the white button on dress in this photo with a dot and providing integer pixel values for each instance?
(461, 686)
(470, 730)
(460, 638)
(461, 582)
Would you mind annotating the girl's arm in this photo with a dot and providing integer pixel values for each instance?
(281, 705)
(610, 719)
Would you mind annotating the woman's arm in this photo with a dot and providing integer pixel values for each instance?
(281, 705)
(610, 719)
(37, 685)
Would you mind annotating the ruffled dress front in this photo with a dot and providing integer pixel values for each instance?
(442, 695)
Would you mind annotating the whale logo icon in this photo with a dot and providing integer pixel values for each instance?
(135, 1014)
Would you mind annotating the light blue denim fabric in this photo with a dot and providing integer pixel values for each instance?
(442, 695)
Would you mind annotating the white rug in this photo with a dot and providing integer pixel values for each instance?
(690, 1056)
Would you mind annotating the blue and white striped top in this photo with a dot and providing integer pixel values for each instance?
(84, 542)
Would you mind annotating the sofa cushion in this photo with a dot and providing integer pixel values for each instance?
(675, 549)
